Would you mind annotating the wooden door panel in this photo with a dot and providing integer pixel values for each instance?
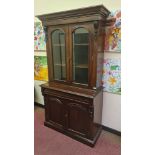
(55, 111)
(78, 119)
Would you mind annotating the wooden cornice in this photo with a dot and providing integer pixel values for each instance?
(98, 12)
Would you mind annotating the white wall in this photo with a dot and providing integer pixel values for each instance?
(49, 6)
(111, 114)
(111, 102)
(37, 92)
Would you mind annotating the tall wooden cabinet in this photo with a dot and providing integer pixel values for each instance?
(73, 95)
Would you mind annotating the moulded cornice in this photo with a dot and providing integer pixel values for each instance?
(98, 10)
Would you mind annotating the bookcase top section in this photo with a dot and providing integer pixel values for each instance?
(98, 12)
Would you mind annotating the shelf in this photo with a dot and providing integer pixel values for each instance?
(58, 44)
(63, 65)
(81, 44)
(81, 66)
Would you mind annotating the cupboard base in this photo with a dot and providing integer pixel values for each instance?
(76, 112)
(81, 139)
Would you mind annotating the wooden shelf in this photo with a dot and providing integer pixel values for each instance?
(81, 44)
(58, 44)
(81, 66)
(63, 65)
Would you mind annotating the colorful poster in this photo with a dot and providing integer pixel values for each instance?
(39, 37)
(113, 34)
(112, 75)
(40, 68)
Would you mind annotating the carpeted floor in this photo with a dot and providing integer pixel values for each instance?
(50, 142)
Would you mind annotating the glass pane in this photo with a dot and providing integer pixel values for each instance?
(80, 55)
(59, 55)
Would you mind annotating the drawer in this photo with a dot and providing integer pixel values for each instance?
(68, 96)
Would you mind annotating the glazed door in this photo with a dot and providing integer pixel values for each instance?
(58, 53)
(80, 53)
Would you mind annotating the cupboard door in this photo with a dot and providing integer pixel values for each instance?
(80, 53)
(58, 53)
(78, 119)
(55, 111)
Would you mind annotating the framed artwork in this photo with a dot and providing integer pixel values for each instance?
(40, 68)
(39, 37)
(112, 76)
(113, 34)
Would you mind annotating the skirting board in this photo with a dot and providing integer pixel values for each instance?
(111, 130)
(103, 127)
(38, 104)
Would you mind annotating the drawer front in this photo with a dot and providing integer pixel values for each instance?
(84, 100)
